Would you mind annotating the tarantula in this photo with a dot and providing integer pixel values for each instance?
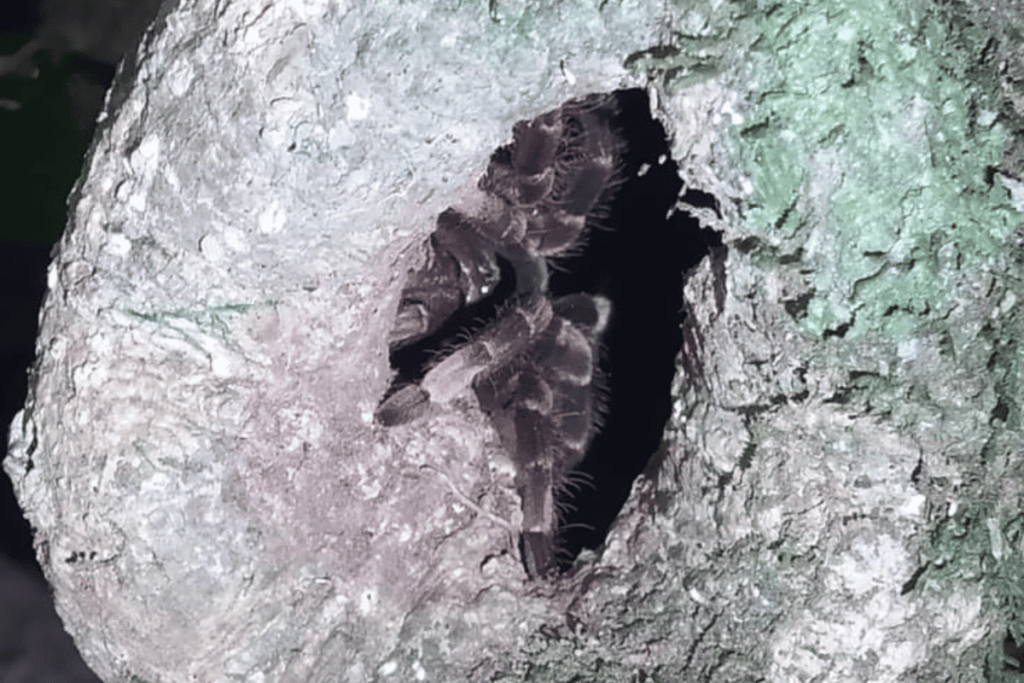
(534, 368)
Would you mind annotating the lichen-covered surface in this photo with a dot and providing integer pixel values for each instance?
(837, 496)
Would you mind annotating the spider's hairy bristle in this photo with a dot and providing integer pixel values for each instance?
(599, 397)
(552, 233)
(584, 186)
(564, 506)
(575, 480)
(568, 527)
(599, 216)
(563, 510)
(562, 554)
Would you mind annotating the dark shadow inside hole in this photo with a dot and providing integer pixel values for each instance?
(637, 257)
(701, 200)
(1013, 654)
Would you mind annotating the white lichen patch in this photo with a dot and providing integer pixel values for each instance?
(180, 76)
(212, 248)
(272, 218)
(724, 438)
(368, 601)
(145, 163)
(843, 642)
(118, 245)
(357, 107)
(868, 564)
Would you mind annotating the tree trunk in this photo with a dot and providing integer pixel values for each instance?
(837, 493)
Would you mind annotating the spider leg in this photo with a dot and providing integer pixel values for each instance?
(531, 273)
(461, 269)
(557, 171)
(405, 405)
(535, 144)
(541, 404)
(495, 347)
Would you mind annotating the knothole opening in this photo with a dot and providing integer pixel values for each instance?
(556, 294)
(637, 256)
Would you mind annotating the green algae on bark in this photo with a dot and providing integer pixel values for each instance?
(871, 154)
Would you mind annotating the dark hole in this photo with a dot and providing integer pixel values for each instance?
(797, 308)
(839, 331)
(1001, 411)
(911, 583)
(636, 257)
(635, 252)
(1013, 659)
(701, 200)
(915, 476)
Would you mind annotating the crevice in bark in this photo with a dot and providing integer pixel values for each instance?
(637, 258)
(1013, 654)
(638, 245)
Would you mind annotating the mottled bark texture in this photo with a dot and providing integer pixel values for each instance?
(837, 496)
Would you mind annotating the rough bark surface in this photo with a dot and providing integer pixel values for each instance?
(836, 495)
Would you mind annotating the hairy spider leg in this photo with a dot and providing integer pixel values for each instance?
(581, 126)
(582, 170)
(430, 296)
(495, 347)
(531, 273)
(535, 143)
(532, 202)
(405, 405)
(574, 480)
(461, 269)
(478, 266)
(531, 161)
(540, 403)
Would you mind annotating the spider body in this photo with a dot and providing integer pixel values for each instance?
(533, 369)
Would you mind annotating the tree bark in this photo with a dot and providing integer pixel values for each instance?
(837, 495)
